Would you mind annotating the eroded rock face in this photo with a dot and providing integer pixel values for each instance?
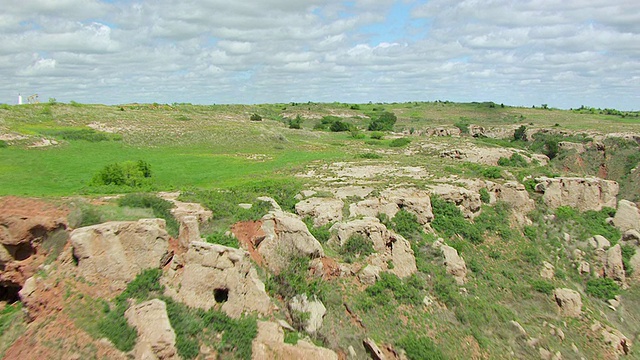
(581, 193)
(388, 245)
(270, 345)
(569, 302)
(189, 231)
(21, 237)
(210, 274)
(156, 338)
(118, 251)
(373, 207)
(323, 210)
(455, 264)
(627, 216)
(286, 236)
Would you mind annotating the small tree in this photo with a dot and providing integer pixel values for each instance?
(520, 133)
(295, 123)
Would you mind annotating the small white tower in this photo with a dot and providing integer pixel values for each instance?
(19, 99)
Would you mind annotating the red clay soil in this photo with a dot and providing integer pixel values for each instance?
(249, 235)
(12, 205)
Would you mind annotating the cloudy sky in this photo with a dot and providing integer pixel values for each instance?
(564, 53)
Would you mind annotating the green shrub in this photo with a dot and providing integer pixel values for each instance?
(129, 173)
(520, 133)
(627, 253)
(491, 172)
(339, 126)
(484, 196)
(420, 348)
(602, 288)
(114, 326)
(292, 281)
(356, 134)
(406, 224)
(255, 117)
(384, 122)
(369, 155)
(516, 160)
(392, 287)
(356, 246)
(221, 238)
(449, 221)
(377, 135)
(588, 223)
(295, 123)
(3, 144)
(530, 233)
(161, 208)
(8, 315)
(542, 286)
(400, 142)
(321, 233)
(463, 125)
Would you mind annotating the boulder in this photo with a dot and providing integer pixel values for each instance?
(211, 274)
(189, 231)
(373, 207)
(619, 343)
(632, 236)
(118, 251)
(156, 338)
(269, 345)
(569, 302)
(547, 270)
(414, 201)
(369, 275)
(599, 242)
(627, 216)
(635, 264)
(455, 264)
(322, 210)
(388, 245)
(581, 193)
(516, 195)
(286, 236)
(613, 267)
(373, 349)
(314, 308)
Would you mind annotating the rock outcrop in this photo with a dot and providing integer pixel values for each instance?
(189, 231)
(313, 307)
(414, 201)
(581, 193)
(569, 302)
(286, 236)
(388, 245)
(118, 251)
(182, 209)
(547, 271)
(270, 345)
(369, 275)
(613, 266)
(467, 201)
(627, 216)
(322, 210)
(455, 264)
(373, 207)
(156, 338)
(210, 274)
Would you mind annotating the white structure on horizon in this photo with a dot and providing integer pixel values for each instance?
(19, 99)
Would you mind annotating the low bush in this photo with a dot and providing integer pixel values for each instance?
(339, 126)
(384, 122)
(484, 196)
(255, 117)
(587, 224)
(491, 172)
(392, 287)
(516, 160)
(369, 156)
(420, 347)
(356, 246)
(542, 286)
(406, 224)
(602, 288)
(321, 233)
(296, 123)
(627, 253)
(161, 208)
(449, 221)
(377, 135)
(293, 280)
(3, 144)
(400, 142)
(221, 238)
